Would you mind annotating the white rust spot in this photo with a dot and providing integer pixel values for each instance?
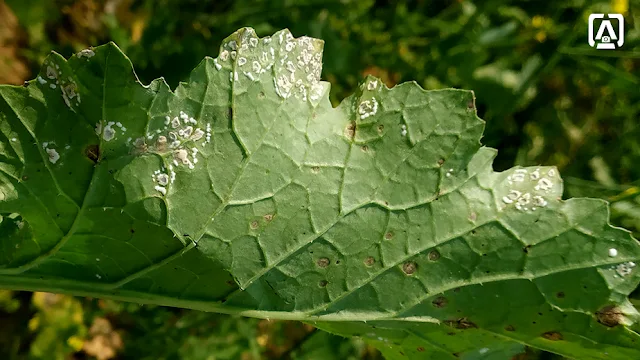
(109, 133)
(163, 179)
(368, 108)
(372, 85)
(613, 252)
(53, 155)
(625, 269)
(535, 175)
(86, 53)
(161, 189)
(544, 184)
(539, 201)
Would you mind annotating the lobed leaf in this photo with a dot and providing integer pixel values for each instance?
(244, 191)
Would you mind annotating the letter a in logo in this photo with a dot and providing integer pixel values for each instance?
(607, 37)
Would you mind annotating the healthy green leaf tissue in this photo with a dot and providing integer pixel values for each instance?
(244, 191)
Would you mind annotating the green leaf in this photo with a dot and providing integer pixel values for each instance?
(244, 191)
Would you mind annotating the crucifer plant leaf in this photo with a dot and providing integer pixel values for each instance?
(244, 191)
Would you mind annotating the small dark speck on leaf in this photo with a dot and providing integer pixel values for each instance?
(560, 295)
(322, 283)
(526, 249)
(25, 178)
(420, 349)
(132, 231)
(509, 328)
(440, 162)
(25, 84)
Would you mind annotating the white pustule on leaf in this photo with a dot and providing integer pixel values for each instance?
(529, 189)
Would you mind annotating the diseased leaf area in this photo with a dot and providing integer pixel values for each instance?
(244, 191)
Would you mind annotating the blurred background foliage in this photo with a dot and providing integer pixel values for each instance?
(547, 97)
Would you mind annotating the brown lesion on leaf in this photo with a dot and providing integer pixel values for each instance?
(92, 152)
(553, 336)
(440, 302)
(409, 267)
(610, 316)
(350, 130)
(323, 262)
(369, 261)
(461, 323)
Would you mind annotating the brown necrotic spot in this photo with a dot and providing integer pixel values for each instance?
(350, 131)
(434, 255)
(323, 262)
(509, 328)
(552, 335)
(609, 316)
(461, 323)
(92, 152)
(440, 302)
(388, 236)
(369, 261)
(268, 217)
(254, 224)
(380, 128)
(409, 267)
(440, 162)
(420, 349)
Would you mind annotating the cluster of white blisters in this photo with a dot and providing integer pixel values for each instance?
(367, 108)
(52, 153)
(109, 132)
(525, 201)
(162, 178)
(623, 269)
(67, 86)
(176, 134)
(297, 64)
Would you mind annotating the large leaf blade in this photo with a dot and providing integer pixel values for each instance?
(381, 216)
